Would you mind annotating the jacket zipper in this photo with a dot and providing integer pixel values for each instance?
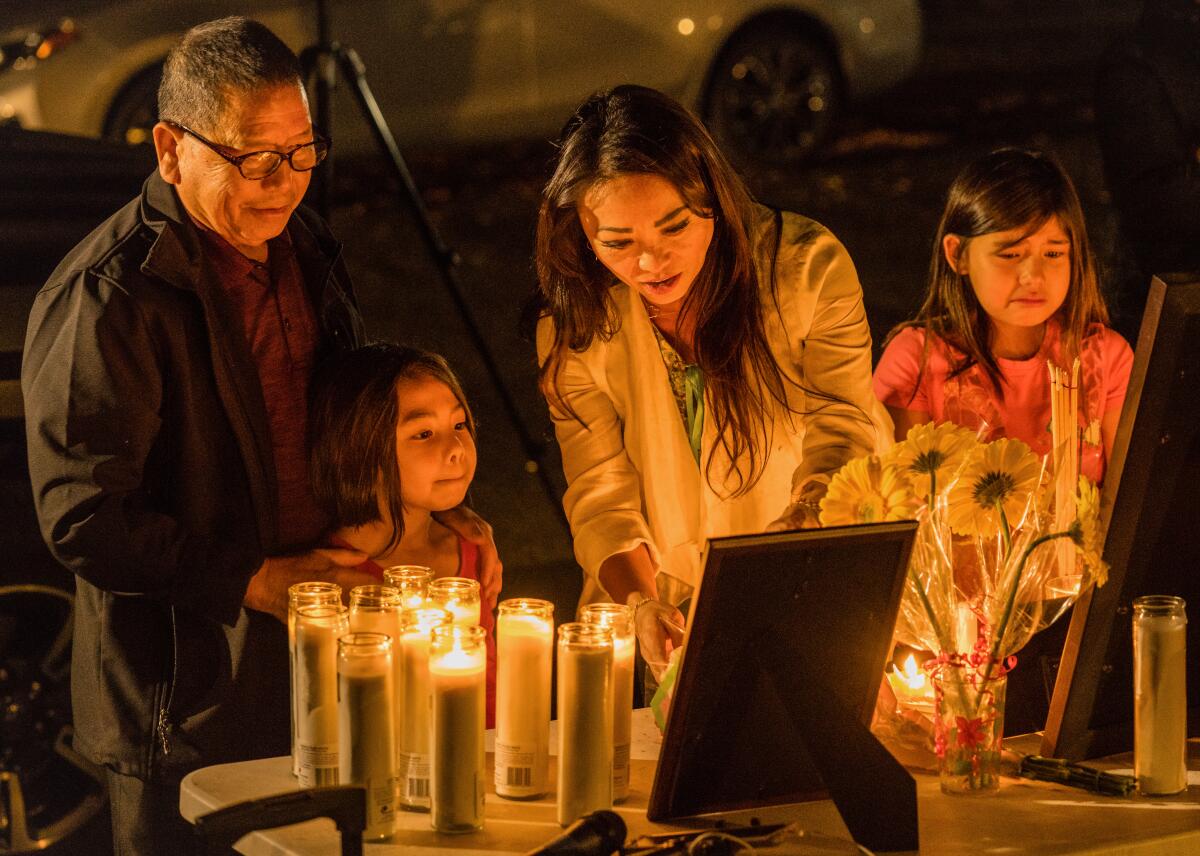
(164, 725)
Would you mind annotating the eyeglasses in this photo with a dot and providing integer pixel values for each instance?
(256, 166)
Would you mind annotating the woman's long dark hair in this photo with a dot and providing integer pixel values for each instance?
(352, 418)
(633, 130)
(1007, 189)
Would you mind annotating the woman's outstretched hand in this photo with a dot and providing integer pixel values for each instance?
(659, 630)
(798, 515)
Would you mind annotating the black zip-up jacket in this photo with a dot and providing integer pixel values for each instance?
(154, 481)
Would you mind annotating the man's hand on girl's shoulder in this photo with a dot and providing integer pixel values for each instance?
(268, 588)
(469, 525)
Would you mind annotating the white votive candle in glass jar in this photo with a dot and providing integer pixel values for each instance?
(524, 659)
(375, 609)
(318, 628)
(1160, 694)
(303, 594)
(619, 618)
(457, 676)
(459, 596)
(585, 654)
(413, 734)
(412, 581)
(366, 726)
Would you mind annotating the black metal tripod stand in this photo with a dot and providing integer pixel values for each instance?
(325, 60)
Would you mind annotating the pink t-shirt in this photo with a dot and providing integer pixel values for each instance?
(1024, 413)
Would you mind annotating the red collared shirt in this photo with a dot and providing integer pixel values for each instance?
(281, 332)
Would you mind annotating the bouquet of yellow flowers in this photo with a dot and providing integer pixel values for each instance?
(985, 574)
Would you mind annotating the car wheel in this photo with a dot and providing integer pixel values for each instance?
(773, 95)
(135, 109)
(51, 797)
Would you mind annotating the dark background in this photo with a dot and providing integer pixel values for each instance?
(994, 72)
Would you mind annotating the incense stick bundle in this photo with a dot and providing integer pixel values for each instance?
(1064, 431)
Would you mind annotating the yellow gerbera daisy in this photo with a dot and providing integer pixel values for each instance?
(996, 477)
(1086, 534)
(867, 491)
(932, 454)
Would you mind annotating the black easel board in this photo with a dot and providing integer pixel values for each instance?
(1150, 511)
(785, 649)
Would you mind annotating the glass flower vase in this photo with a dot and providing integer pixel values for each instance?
(968, 726)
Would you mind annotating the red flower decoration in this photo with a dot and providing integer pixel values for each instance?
(970, 733)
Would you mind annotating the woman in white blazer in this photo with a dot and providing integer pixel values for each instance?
(706, 360)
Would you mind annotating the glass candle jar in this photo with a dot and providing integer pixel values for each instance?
(303, 594)
(412, 581)
(459, 596)
(413, 737)
(457, 677)
(375, 609)
(619, 618)
(1159, 694)
(366, 726)
(318, 627)
(524, 655)
(585, 655)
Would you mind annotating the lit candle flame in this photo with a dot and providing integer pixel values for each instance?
(912, 677)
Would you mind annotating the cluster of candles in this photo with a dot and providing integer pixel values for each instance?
(390, 694)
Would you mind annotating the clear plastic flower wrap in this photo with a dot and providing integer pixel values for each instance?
(983, 575)
(986, 572)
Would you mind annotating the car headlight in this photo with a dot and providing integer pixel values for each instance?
(23, 50)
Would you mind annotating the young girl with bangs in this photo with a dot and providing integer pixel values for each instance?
(392, 445)
(1012, 285)
(706, 359)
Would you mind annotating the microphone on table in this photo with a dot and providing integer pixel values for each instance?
(597, 834)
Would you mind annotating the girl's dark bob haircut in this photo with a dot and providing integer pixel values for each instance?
(353, 413)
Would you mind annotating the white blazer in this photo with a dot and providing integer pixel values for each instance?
(631, 477)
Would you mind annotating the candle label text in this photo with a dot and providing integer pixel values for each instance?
(414, 771)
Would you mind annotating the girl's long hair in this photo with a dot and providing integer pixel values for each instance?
(633, 130)
(353, 414)
(1007, 189)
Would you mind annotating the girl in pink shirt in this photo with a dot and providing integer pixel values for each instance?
(392, 443)
(1012, 285)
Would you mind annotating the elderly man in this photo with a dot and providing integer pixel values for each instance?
(165, 379)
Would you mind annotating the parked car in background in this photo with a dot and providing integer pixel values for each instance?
(769, 76)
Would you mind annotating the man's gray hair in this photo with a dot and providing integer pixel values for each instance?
(218, 61)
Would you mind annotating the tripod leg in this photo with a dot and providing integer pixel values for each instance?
(352, 67)
(324, 65)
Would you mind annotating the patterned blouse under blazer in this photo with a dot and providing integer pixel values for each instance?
(631, 475)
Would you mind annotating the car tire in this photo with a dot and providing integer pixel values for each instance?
(135, 109)
(773, 94)
(53, 798)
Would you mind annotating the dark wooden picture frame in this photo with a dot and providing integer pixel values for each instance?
(1151, 508)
